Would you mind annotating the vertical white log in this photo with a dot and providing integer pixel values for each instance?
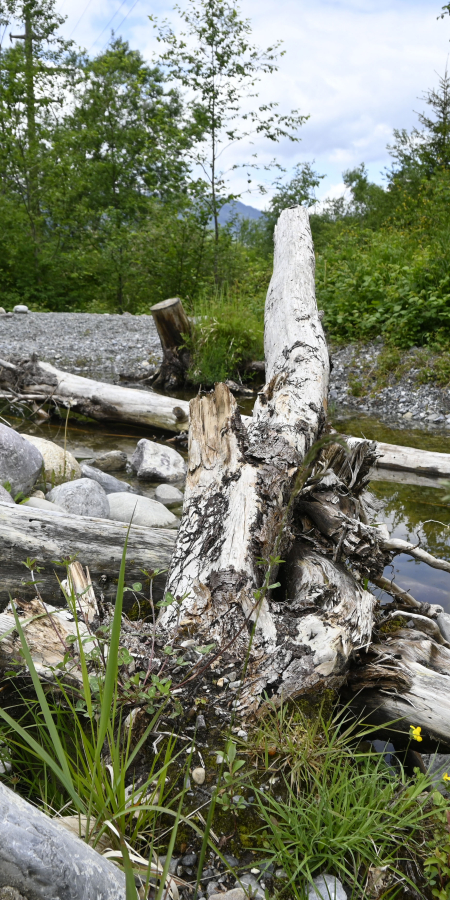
(238, 486)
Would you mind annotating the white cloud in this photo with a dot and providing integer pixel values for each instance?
(356, 66)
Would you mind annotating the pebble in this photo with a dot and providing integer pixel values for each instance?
(234, 894)
(281, 874)
(249, 881)
(230, 860)
(326, 887)
(20, 462)
(189, 859)
(157, 462)
(109, 483)
(112, 461)
(200, 721)
(20, 308)
(212, 888)
(82, 497)
(198, 775)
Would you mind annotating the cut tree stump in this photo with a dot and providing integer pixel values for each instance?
(172, 325)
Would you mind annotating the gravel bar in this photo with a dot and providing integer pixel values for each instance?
(105, 347)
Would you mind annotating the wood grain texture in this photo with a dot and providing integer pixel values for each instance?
(97, 543)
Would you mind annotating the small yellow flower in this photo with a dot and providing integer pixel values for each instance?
(445, 777)
(415, 733)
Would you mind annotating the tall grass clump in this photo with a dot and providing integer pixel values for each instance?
(74, 753)
(340, 808)
(228, 332)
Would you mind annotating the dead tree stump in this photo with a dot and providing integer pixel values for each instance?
(172, 325)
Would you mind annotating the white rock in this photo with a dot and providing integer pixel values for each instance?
(2, 311)
(140, 510)
(326, 887)
(39, 503)
(82, 497)
(59, 467)
(156, 462)
(198, 775)
(20, 308)
(38, 494)
(20, 462)
(169, 495)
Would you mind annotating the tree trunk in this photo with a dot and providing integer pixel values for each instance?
(238, 488)
(172, 325)
(34, 380)
(36, 534)
(44, 861)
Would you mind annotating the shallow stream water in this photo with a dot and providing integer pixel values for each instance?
(411, 512)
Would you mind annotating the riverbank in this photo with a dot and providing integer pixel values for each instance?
(406, 389)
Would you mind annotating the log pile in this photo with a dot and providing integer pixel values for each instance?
(322, 626)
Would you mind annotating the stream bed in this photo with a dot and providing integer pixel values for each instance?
(411, 512)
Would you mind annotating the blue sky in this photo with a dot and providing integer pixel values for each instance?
(357, 67)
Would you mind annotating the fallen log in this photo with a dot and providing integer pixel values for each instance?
(28, 533)
(45, 861)
(31, 379)
(425, 463)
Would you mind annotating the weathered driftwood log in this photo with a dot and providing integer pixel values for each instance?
(46, 630)
(31, 533)
(44, 861)
(33, 380)
(239, 484)
(173, 326)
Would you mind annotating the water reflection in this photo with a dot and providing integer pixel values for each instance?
(407, 512)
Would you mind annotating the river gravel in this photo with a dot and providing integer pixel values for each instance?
(106, 347)
(402, 403)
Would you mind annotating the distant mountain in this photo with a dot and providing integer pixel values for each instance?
(230, 209)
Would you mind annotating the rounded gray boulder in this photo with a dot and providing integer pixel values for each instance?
(169, 495)
(82, 497)
(109, 484)
(140, 511)
(5, 497)
(20, 462)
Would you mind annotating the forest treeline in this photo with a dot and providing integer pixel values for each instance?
(112, 182)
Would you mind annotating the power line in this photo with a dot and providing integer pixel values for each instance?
(79, 20)
(128, 13)
(107, 26)
(3, 36)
